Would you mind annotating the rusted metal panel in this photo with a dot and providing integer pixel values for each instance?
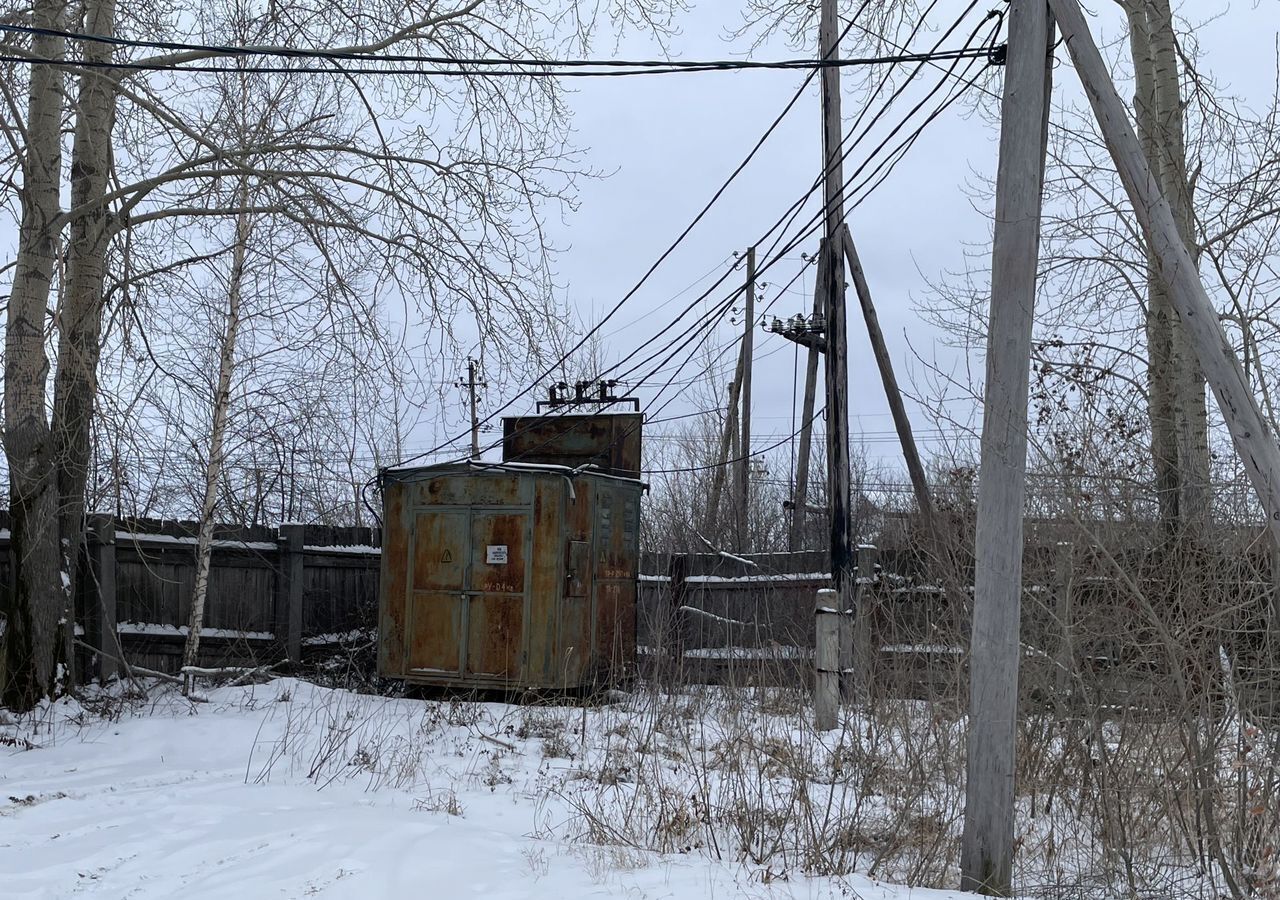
(543, 663)
(578, 569)
(498, 552)
(471, 488)
(441, 549)
(617, 557)
(495, 636)
(510, 579)
(575, 632)
(496, 594)
(435, 630)
(611, 442)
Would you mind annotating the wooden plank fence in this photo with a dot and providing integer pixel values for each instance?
(717, 618)
(298, 591)
(274, 593)
(750, 620)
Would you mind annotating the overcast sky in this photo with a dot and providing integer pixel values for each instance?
(669, 141)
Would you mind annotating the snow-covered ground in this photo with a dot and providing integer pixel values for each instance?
(290, 790)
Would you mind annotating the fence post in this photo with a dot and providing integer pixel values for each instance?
(826, 660)
(100, 617)
(672, 655)
(860, 668)
(1272, 658)
(1066, 648)
(289, 595)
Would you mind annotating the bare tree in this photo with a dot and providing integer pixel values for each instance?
(1176, 392)
(1105, 339)
(33, 638)
(440, 181)
(218, 429)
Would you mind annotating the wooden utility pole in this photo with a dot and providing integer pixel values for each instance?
(1254, 444)
(743, 500)
(986, 861)
(471, 384)
(727, 438)
(915, 469)
(800, 498)
(837, 347)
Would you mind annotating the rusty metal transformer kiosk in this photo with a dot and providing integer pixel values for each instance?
(510, 575)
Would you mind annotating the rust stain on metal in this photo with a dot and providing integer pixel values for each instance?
(611, 442)
(440, 549)
(433, 641)
(495, 639)
(509, 579)
(392, 575)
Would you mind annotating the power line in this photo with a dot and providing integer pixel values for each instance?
(977, 53)
(808, 229)
(724, 349)
(531, 67)
(990, 52)
(595, 329)
(753, 453)
(692, 332)
(895, 156)
(665, 303)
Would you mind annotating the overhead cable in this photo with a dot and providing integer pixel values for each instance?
(421, 64)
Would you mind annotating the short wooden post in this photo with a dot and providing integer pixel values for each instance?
(672, 621)
(826, 662)
(289, 594)
(101, 618)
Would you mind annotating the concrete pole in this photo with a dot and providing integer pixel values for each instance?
(826, 661)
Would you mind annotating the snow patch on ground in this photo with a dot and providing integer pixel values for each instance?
(290, 790)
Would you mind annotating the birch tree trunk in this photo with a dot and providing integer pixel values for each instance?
(217, 432)
(180, 151)
(28, 665)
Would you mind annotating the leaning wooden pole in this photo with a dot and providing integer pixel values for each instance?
(727, 437)
(800, 496)
(893, 394)
(986, 862)
(1254, 444)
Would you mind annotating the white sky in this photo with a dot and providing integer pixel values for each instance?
(670, 140)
